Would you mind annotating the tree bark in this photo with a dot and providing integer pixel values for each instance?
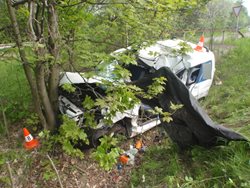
(53, 46)
(27, 69)
(48, 110)
(36, 35)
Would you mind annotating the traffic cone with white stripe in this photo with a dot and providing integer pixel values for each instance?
(30, 142)
(200, 44)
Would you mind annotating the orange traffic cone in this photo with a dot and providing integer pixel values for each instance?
(200, 44)
(30, 142)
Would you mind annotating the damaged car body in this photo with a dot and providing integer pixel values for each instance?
(194, 70)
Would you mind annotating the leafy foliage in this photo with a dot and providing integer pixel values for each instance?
(166, 116)
(118, 99)
(155, 88)
(107, 153)
(184, 49)
(32, 122)
(69, 135)
(69, 88)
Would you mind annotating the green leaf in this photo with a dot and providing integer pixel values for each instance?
(107, 152)
(88, 102)
(175, 106)
(69, 88)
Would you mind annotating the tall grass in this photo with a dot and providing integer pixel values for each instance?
(14, 90)
(229, 103)
(223, 166)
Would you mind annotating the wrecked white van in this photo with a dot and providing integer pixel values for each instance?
(195, 69)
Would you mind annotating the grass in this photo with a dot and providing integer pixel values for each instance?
(221, 166)
(229, 103)
(14, 92)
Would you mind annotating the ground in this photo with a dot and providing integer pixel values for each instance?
(33, 169)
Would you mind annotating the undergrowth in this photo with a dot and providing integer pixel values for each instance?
(223, 166)
(14, 92)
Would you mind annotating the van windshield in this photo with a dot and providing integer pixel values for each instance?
(105, 70)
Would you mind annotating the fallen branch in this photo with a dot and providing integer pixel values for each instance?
(241, 34)
(53, 165)
(6, 124)
(78, 168)
(10, 174)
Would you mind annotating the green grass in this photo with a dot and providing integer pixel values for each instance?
(224, 166)
(14, 90)
(229, 103)
(221, 166)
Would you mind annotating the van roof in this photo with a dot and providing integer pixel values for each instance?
(166, 47)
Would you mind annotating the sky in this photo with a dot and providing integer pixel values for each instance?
(246, 3)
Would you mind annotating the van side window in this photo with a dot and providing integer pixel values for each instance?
(200, 73)
(206, 71)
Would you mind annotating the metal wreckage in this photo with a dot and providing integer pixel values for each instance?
(189, 78)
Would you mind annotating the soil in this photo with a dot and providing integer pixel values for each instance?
(35, 170)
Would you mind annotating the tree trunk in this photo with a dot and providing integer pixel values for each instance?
(211, 44)
(27, 69)
(53, 46)
(48, 110)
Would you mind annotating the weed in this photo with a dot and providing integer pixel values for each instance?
(69, 135)
(107, 152)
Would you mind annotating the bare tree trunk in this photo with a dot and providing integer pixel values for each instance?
(27, 69)
(48, 110)
(53, 46)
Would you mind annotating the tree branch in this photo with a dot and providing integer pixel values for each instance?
(75, 4)
(93, 3)
(31, 18)
(6, 124)
(10, 174)
(53, 165)
(95, 41)
(18, 2)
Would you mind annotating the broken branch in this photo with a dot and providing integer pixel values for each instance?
(53, 165)
(10, 174)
